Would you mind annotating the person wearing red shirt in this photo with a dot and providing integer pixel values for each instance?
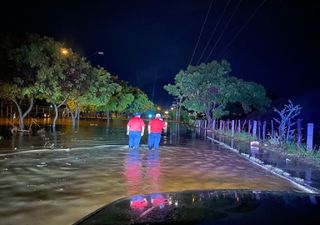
(135, 130)
(154, 130)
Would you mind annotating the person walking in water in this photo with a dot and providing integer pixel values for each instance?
(135, 130)
(155, 127)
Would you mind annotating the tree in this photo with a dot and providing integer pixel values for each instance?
(208, 88)
(287, 114)
(120, 100)
(140, 103)
(18, 92)
(45, 56)
(175, 90)
(20, 85)
(101, 90)
(79, 77)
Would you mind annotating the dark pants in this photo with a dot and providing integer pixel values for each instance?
(134, 139)
(154, 140)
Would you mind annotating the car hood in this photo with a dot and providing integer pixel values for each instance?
(210, 207)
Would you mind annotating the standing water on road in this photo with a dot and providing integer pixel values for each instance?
(58, 178)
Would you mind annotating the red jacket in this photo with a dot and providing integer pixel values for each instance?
(156, 126)
(136, 124)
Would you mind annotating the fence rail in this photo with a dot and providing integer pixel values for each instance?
(262, 130)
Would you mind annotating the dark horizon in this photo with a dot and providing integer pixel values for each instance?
(274, 43)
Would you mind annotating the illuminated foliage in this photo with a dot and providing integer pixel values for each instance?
(141, 102)
(100, 90)
(121, 98)
(46, 69)
(208, 88)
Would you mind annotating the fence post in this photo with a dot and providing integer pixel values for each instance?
(254, 131)
(259, 130)
(214, 125)
(220, 125)
(264, 129)
(232, 128)
(310, 137)
(299, 132)
(272, 129)
(249, 127)
(239, 126)
(223, 126)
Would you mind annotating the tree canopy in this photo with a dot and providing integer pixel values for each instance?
(209, 88)
(43, 68)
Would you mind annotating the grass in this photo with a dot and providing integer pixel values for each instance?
(300, 152)
(242, 136)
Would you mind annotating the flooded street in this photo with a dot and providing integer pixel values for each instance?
(58, 178)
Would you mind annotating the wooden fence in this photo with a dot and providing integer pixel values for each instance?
(262, 130)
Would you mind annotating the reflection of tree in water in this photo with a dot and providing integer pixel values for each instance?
(175, 133)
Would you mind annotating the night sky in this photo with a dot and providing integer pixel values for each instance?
(272, 42)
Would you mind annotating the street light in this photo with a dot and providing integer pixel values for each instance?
(64, 51)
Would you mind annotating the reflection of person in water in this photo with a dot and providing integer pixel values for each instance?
(138, 203)
(153, 169)
(133, 171)
(159, 200)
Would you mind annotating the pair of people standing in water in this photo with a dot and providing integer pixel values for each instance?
(136, 127)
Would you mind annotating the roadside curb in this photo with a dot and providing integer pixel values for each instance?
(297, 181)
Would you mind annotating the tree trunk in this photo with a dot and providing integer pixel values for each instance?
(73, 117)
(209, 118)
(56, 110)
(108, 117)
(22, 116)
(78, 113)
(55, 116)
(179, 111)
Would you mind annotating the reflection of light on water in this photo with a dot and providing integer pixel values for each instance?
(92, 167)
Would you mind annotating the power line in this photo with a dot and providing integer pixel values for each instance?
(241, 28)
(213, 32)
(224, 29)
(205, 20)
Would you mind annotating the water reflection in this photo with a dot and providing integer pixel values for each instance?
(211, 207)
(153, 169)
(133, 171)
(91, 167)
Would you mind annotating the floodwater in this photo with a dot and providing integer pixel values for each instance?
(58, 178)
